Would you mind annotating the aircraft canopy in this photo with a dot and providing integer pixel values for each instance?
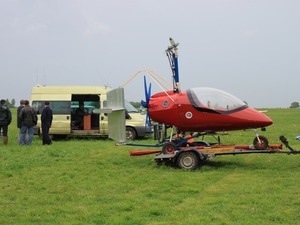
(214, 99)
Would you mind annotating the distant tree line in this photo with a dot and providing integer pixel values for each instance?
(11, 103)
(295, 105)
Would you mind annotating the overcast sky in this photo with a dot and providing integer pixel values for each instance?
(250, 48)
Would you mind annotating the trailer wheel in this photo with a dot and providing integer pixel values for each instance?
(169, 148)
(262, 144)
(188, 161)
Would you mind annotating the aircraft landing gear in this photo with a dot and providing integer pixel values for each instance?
(260, 142)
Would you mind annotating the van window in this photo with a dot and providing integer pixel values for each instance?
(58, 107)
(89, 106)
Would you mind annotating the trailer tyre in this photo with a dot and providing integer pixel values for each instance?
(261, 143)
(188, 161)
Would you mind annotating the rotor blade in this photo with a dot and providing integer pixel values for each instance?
(148, 119)
(149, 93)
(145, 89)
(144, 104)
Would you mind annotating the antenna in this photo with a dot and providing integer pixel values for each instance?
(44, 77)
(106, 83)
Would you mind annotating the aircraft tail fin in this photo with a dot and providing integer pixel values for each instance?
(116, 116)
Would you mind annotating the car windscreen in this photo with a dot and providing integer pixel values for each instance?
(130, 108)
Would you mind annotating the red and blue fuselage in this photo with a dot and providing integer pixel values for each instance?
(204, 110)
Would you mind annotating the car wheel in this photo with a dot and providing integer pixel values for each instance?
(130, 133)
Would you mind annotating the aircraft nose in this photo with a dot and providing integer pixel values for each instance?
(260, 119)
(265, 121)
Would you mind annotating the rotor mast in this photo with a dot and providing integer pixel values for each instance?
(172, 53)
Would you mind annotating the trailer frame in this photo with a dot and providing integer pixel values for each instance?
(190, 157)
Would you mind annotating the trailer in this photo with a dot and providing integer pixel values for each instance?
(190, 156)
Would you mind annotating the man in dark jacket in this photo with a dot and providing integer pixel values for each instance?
(5, 120)
(46, 119)
(28, 119)
(19, 123)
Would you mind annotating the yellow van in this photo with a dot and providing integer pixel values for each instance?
(64, 102)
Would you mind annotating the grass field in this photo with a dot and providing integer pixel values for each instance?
(95, 182)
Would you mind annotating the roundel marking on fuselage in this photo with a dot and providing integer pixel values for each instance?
(188, 115)
(165, 104)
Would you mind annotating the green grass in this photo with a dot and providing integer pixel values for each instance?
(96, 182)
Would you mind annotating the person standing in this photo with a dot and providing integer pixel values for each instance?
(19, 123)
(28, 119)
(46, 119)
(5, 120)
(79, 116)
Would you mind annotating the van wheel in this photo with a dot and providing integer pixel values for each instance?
(130, 133)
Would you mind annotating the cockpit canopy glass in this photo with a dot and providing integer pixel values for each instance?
(214, 99)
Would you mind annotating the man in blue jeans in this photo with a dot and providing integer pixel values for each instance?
(28, 120)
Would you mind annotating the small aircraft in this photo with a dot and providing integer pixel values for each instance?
(201, 109)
